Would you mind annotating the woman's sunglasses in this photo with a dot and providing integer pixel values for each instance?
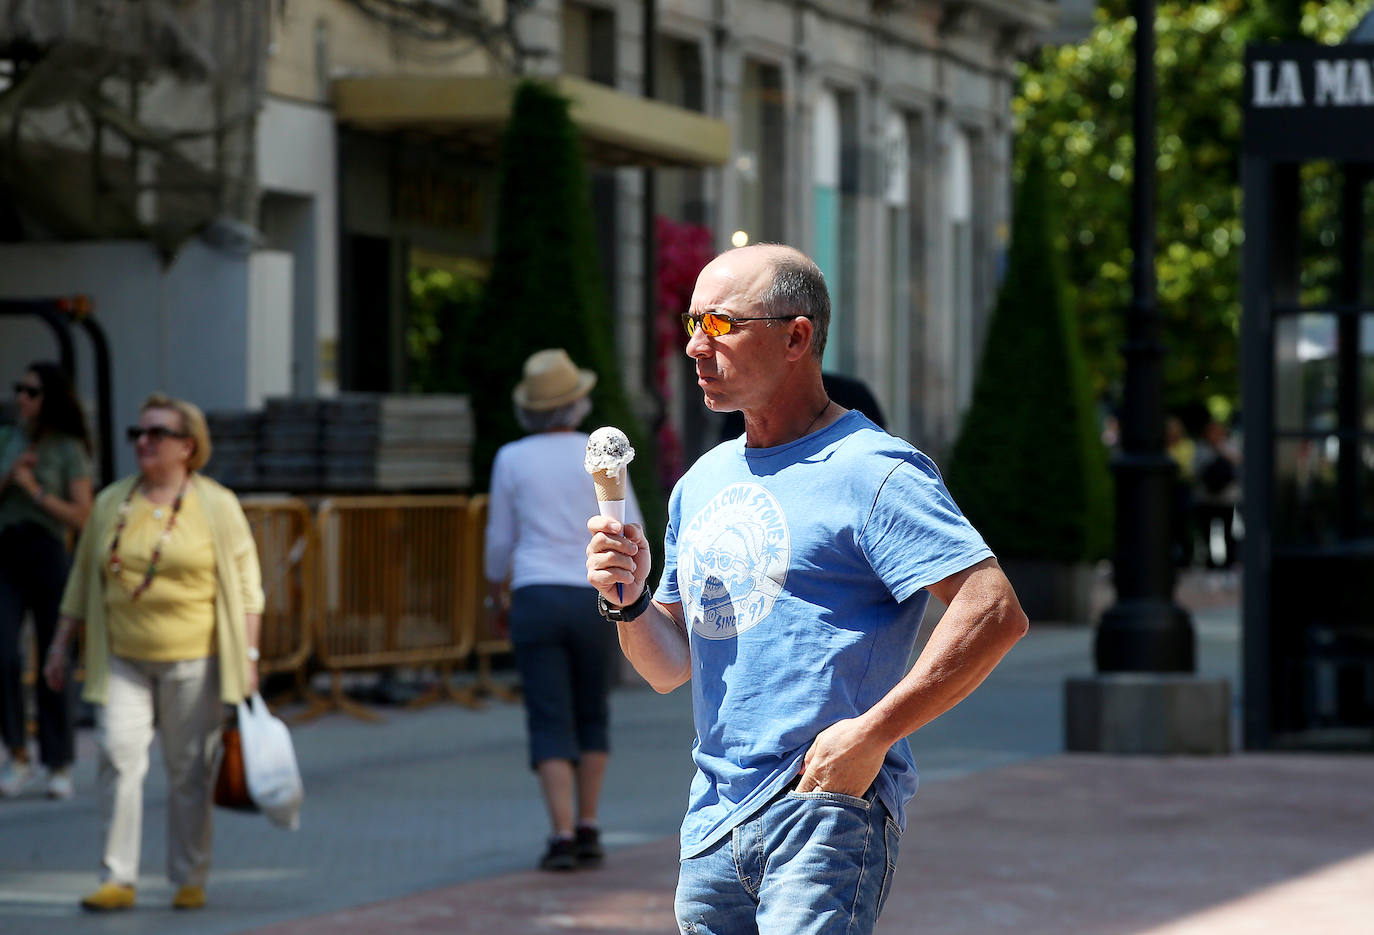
(25, 389)
(155, 433)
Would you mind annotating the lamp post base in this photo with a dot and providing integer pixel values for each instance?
(1145, 635)
(1147, 713)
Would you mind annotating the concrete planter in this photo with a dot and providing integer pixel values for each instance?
(1053, 592)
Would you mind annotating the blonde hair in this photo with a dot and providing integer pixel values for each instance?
(192, 423)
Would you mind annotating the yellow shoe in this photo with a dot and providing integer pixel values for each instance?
(189, 897)
(109, 897)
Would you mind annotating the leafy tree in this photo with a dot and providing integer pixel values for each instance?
(1074, 109)
(545, 288)
(444, 308)
(1028, 467)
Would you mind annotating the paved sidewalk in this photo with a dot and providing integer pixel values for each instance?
(1068, 844)
(430, 821)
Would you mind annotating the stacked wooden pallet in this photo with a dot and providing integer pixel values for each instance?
(357, 442)
(376, 442)
(289, 445)
(234, 448)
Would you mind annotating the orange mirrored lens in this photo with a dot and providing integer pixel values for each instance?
(714, 325)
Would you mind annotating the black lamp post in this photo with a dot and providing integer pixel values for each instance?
(1144, 631)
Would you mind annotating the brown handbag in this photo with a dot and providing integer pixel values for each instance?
(231, 785)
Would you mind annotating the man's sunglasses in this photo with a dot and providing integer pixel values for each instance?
(32, 392)
(716, 324)
(155, 433)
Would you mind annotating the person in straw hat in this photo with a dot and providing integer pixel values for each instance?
(538, 592)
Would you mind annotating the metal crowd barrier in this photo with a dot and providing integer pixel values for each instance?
(371, 583)
(487, 644)
(396, 589)
(288, 551)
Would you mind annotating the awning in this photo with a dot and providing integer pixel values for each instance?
(620, 129)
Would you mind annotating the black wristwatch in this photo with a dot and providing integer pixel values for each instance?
(625, 614)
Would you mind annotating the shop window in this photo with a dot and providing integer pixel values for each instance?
(760, 162)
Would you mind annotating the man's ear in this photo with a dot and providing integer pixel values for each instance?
(800, 331)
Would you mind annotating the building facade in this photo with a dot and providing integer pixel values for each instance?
(874, 135)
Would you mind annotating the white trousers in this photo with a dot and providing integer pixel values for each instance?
(180, 703)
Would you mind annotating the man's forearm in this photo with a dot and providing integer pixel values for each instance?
(966, 646)
(657, 647)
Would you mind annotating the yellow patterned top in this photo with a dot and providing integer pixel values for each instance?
(175, 617)
(238, 583)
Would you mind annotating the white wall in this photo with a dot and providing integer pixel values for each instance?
(297, 157)
(180, 328)
(269, 326)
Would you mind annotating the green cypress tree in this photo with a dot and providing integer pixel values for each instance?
(545, 288)
(1029, 468)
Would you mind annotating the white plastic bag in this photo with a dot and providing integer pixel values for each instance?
(269, 763)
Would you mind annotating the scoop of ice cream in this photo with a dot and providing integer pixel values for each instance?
(608, 450)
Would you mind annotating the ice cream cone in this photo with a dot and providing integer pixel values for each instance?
(610, 502)
(608, 455)
(610, 488)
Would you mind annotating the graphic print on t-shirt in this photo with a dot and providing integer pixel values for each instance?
(732, 561)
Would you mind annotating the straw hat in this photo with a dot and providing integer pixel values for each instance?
(552, 380)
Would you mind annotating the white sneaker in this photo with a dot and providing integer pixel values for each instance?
(13, 778)
(60, 784)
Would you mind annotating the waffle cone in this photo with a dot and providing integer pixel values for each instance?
(609, 487)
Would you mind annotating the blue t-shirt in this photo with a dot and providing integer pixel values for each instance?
(801, 572)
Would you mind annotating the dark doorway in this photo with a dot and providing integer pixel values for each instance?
(365, 322)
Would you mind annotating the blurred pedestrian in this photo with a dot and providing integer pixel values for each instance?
(45, 496)
(167, 585)
(1183, 450)
(536, 558)
(1217, 469)
(798, 562)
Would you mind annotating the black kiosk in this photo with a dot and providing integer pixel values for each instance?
(1307, 337)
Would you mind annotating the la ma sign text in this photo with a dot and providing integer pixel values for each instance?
(1346, 82)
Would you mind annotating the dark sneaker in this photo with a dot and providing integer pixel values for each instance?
(561, 855)
(588, 842)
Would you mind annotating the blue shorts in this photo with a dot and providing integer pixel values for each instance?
(807, 863)
(566, 656)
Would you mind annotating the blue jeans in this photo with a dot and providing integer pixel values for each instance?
(808, 863)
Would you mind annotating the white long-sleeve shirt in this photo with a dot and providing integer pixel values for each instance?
(541, 499)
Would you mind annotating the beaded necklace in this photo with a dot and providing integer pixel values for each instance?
(115, 564)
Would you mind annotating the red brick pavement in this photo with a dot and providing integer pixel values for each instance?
(1061, 846)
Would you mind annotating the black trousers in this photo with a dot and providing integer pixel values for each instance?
(33, 571)
(566, 656)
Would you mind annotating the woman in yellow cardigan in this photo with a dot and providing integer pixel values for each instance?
(167, 585)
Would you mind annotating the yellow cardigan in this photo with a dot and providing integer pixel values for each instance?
(238, 583)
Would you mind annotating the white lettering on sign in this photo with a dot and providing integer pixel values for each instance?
(1331, 82)
(1344, 83)
(1361, 83)
(1338, 83)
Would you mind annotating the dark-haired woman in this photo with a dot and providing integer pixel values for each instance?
(45, 495)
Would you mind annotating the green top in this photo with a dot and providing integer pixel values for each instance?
(61, 460)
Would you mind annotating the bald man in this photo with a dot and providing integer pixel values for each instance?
(798, 563)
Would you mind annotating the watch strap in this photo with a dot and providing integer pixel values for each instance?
(630, 611)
